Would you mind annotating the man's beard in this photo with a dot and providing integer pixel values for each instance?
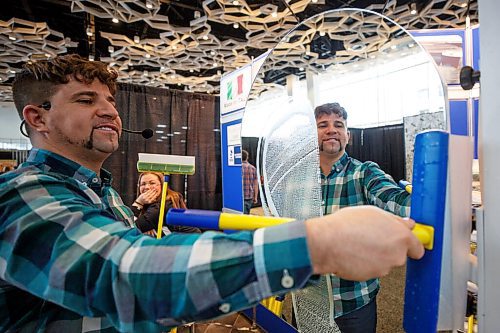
(322, 148)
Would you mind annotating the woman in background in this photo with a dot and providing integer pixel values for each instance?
(146, 206)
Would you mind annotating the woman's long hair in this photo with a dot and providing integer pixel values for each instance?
(175, 197)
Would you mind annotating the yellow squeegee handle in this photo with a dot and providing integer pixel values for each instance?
(162, 206)
(425, 234)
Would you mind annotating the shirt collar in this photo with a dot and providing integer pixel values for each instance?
(340, 164)
(56, 163)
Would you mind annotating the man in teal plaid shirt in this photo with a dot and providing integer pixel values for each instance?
(71, 260)
(345, 182)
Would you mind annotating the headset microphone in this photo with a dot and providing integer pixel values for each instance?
(146, 133)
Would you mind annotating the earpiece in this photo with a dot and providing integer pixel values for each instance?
(45, 105)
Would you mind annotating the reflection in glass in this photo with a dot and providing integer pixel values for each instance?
(374, 69)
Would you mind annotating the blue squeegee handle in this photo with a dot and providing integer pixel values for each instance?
(430, 171)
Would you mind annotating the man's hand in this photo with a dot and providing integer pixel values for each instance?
(359, 243)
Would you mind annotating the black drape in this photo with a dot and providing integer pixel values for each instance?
(147, 107)
(383, 145)
(250, 144)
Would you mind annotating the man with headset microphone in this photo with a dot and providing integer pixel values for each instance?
(70, 260)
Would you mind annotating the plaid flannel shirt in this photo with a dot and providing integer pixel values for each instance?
(352, 183)
(249, 175)
(67, 265)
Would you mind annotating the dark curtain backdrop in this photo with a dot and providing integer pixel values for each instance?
(383, 145)
(250, 144)
(191, 118)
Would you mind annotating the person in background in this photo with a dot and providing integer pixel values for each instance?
(345, 182)
(146, 206)
(71, 259)
(250, 184)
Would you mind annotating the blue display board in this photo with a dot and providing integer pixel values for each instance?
(232, 187)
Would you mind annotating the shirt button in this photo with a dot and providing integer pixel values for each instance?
(287, 281)
(225, 307)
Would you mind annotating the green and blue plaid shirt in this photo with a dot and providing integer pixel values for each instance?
(352, 183)
(67, 265)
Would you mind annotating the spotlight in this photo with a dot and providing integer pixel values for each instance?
(236, 25)
(149, 5)
(322, 33)
(205, 37)
(148, 55)
(111, 49)
(91, 57)
(274, 14)
(413, 8)
(236, 2)
(12, 38)
(89, 32)
(137, 39)
(115, 20)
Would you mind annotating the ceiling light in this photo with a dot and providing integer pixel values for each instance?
(184, 127)
(314, 1)
(301, 69)
(159, 132)
(236, 25)
(197, 14)
(149, 5)
(145, 73)
(12, 38)
(274, 14)
(212, 52)
(214, 64)
(172, 76)
(413, 8)
(115, 20)
(162, 68)
(236, 2)
(205, 37)
(174, 47)
(322, 33)
(89, 32)
(177, 133)
(191, 70)
(137, 39)
(148, 55)
(161, 125)
(91, 57)
(111, 49)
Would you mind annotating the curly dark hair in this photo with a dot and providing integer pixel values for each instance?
(330, 108)
(38, 80)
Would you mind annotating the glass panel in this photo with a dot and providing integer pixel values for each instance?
(377, 72)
